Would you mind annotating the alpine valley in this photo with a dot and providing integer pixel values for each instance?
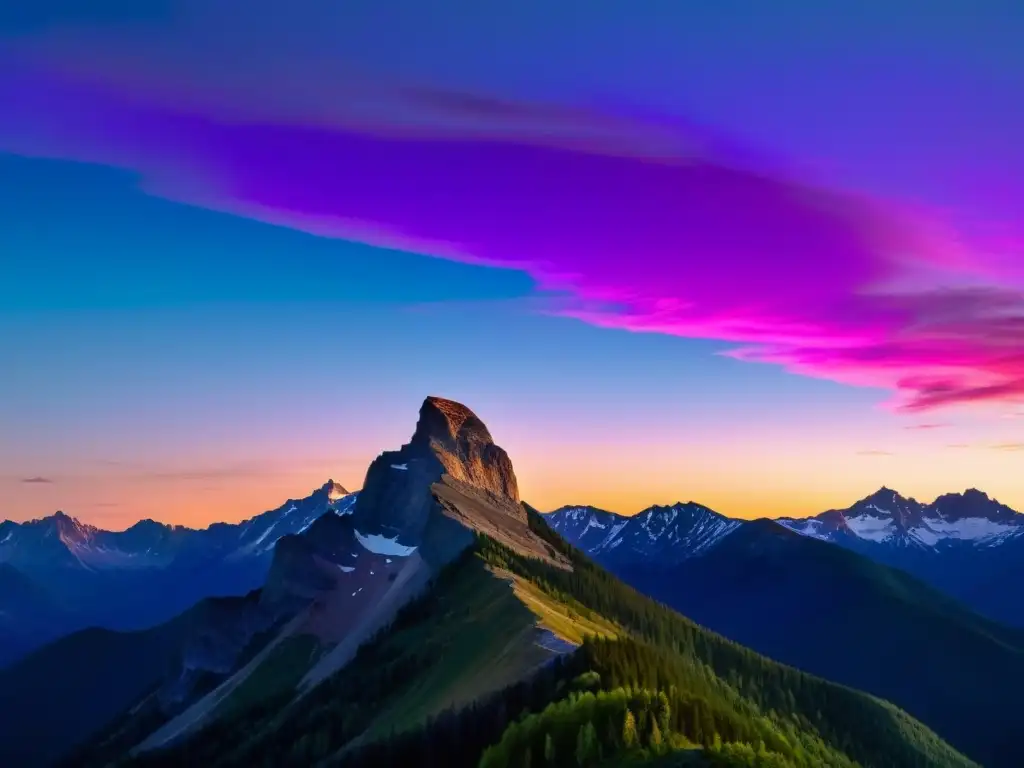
(435, 619)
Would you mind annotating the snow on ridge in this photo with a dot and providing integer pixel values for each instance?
(805, 527)
(382, 545)
(969, 528)
(592, 523)
(262, 536)
(870, 527)
(402, 467)
(347, 505)
(615, 531)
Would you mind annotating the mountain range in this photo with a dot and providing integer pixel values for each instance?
(85, 576)
(779, 588)
(967, 545)
(434, 618)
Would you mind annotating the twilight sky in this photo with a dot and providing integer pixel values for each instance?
(767, 257)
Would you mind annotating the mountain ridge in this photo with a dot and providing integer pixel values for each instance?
(426, 607)
(107, 578)
(969, 545)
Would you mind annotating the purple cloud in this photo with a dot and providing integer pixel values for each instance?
(651, 228)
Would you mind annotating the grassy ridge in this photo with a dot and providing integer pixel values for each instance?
(439, 686)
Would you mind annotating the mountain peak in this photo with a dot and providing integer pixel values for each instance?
(973, 503)
(333, 490)
(450, 445)
(885, 494)
(448, 422)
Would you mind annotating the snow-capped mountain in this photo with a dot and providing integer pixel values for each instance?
(113, 578)
(586, 528)
(955, 519)
(664, 534)
(60, 541)
(967, 544)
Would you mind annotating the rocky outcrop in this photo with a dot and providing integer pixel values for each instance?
(464, 447)
(397, 500)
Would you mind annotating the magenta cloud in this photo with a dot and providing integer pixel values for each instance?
(649, 228)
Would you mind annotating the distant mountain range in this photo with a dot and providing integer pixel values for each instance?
(415, 623)
(90, 576)
(965, 544)
(829, 609)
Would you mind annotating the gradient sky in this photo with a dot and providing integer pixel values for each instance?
(764, 258)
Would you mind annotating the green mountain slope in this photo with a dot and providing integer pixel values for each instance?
(460, 666)
(840, 615)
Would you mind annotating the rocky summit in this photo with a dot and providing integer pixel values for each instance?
(450, 446)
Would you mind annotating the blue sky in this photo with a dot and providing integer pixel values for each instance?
(164, 359)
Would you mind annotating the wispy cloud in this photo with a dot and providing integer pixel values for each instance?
(915, 427)
(875, 453)
(256, 468)
(652, 228)
(958, 445)
(1008, 447)
(37, 480)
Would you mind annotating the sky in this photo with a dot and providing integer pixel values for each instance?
(763, 258)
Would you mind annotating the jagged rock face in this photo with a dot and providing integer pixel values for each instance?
(302, 562)
(450, 439)
(465, 447)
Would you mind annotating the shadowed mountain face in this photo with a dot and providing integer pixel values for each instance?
(966, 544)
(840, 615)
(148, 573)
(29, 615)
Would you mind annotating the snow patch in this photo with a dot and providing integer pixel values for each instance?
(346, 569)
(871, 528)
(591, 523)
(381, 545)
(809, 527)
(969, 528)
(615, 531)
(262, 537)
(402, 467)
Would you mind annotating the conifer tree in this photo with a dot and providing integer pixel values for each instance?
(586, 745)
(655, 737)
(629, 739)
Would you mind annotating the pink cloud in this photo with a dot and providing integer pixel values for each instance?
(645, 233)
